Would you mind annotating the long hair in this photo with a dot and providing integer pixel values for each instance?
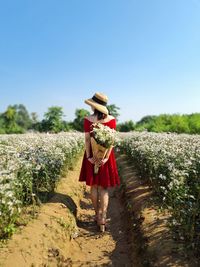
(99, 114)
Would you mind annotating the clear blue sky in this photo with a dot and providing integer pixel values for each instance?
(144, 54)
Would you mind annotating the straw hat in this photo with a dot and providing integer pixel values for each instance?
(99, 102)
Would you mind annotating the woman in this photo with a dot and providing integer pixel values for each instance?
(107, 175)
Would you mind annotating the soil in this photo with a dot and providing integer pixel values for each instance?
(64, 232)
(53, 239)
(152, 239)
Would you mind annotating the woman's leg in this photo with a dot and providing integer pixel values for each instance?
(94, 197)
(104, 199)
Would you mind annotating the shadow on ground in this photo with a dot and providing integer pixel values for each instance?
(55, 197)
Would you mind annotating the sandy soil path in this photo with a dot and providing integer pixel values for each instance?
(53, 239)
(64, 232)
(153, 244)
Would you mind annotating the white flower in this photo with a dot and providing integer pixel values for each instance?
(21, 159)
(103, 135)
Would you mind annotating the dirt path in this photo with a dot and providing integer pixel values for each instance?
(153, 242)
(64, 233)
(108, 249)
(44, 241)
(53, 239)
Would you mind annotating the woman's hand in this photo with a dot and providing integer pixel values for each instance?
(92, 160)
(102, 162)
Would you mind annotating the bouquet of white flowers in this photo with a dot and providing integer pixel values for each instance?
(102, 140)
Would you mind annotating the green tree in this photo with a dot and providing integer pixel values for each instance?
(160, 124)
(67, 126)
(165, 123)
(35, 123)
(78, 121)
(113, 110)
(10, 116)
(34, 117)
(179, 124)
(22, 116)
(53, 120)
(2, 125)
(126, 126)
(144, 123)
(194, 123)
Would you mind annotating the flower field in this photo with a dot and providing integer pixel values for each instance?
(29, 164)
(33, 163)
(172, 163)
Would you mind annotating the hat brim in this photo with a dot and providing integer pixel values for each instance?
(99, 107)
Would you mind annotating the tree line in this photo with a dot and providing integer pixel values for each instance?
(185, 123)
(16, 119)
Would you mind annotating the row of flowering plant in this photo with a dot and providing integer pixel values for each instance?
(172, 163)
(29, 164)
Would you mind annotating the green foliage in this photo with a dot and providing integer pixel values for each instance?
(146, 120)
(126, 126)
(34, 117)
(9, 230)
(22, 116)
(67, 126)
(194, 123)
(78, 121)
(144, 123)
(16, 119)
(170, 123)
(9, 121)
(113, 110)
(10, 117)
(53, 120)
(2, 126)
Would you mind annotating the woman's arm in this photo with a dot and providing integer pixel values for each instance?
(108, 153)
(103, 161)
(87, 148)
(87, 144)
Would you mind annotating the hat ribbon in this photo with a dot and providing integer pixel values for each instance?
(99, 101)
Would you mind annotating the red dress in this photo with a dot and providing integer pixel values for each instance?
(107, 175)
